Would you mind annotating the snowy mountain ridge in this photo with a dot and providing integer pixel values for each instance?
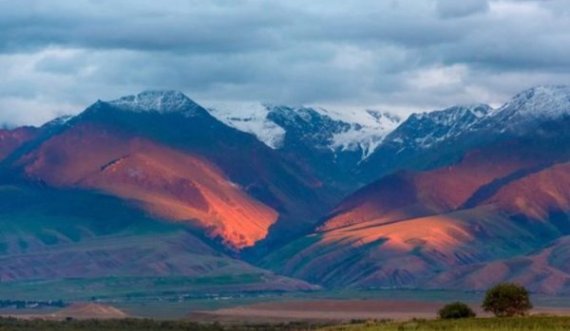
(167, 101)
(530, 107)
(424, 130)
(252, 118)
(364, 131)
(349, 130)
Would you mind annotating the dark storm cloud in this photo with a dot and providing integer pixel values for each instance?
(59, 56)
(199, 26)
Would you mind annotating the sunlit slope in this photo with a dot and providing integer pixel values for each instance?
(166, 183)
(463, 226)
(72, 236)
(412, 194)
(177, 163)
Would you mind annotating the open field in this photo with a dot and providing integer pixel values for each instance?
(168, 303)
(327, 311)
(135, 325)
(535, 323)
(339, 311)
(323, 311)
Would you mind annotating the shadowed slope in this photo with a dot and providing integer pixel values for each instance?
(428, 228)
(546, 271)
(75, 238)
(537, 195)
(405, 253)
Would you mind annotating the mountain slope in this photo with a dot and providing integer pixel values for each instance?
(346, 130)
(75, 236)
(528, 109)
(166, 183)
(421, 229)
(412, 194)
(430, 140)
(329, 143)
(426, 140)
(10, 140)
(545, 271)
(167, 154)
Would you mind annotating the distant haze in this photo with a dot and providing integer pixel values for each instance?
(57, 57)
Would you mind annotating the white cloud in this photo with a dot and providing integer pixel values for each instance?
(438, 77)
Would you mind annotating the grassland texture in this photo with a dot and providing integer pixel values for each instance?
(12, 324)
(534, 323)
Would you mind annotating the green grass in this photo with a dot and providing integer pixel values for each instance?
(535, 323)
(11, 324)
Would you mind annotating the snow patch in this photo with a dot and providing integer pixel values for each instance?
(368, 130)
(250, 118)
(360, 130)
(156, 101)
(538, 103)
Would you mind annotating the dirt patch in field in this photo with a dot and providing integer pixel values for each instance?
(75, 311)
(324, 310)
(340, 311)
(89, 311)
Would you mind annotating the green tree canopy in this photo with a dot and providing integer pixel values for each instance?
(507, 299)
(456, 310)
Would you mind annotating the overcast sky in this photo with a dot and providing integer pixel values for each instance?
(59, 56)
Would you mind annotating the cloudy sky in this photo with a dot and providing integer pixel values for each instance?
(59, 56)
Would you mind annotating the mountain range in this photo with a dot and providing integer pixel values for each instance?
(279, 198)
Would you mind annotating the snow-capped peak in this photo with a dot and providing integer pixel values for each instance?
(250, 117)
(368, 130)
(59, 121)
(453, 113)
(346, 130)
(157, 101)
(541, 102)
(424, 130)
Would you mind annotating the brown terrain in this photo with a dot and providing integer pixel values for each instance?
(339, 311)
(408, 195)
(10, 140)
(90, 311)
(166, 183)
(77, 310)
(454, 227)
(322, 310)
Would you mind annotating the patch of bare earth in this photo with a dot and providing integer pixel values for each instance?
(324, 310)
(90, 311)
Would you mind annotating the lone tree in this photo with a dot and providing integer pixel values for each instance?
(507, 299)
(456, 310)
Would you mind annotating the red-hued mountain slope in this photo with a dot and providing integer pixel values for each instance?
(84, 244)
(452, 227)
(165, 182)
(407, 195)
(168, 155)
(10, 140)
(537, 195)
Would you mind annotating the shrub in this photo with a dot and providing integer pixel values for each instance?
(456, 310)
(507, 299)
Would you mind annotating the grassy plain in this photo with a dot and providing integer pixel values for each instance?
(534, 323)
